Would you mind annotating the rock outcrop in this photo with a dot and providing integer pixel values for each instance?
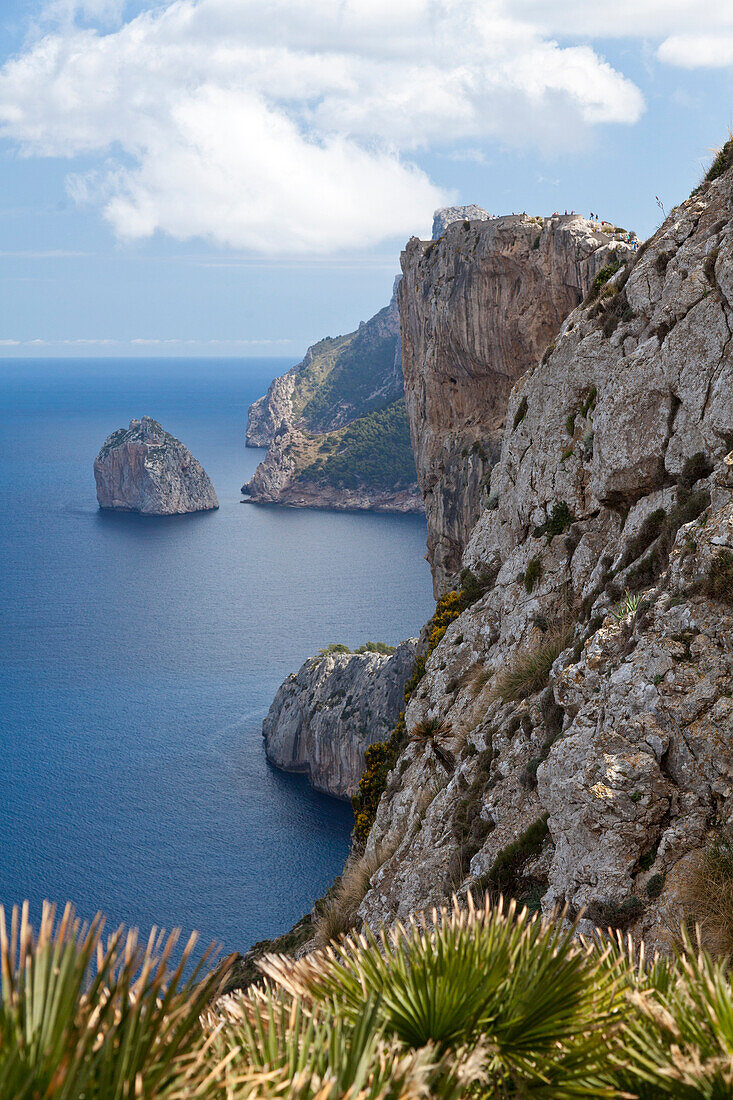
(325, 716)
(274, 411)
(586, 692)
(145, 469)
(367, 466)
(478, 308)
(313, 461)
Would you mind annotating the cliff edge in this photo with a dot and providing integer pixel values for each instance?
(325, 716)
(478, 307)
(582, 679)
(336, 427)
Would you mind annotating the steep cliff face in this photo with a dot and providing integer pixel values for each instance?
(478, 308)
(336, 426)
(275, 409)
(145, 469)
(325, 716)
(586, 694)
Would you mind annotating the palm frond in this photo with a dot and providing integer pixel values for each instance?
(540, 1001)
(84, 1017)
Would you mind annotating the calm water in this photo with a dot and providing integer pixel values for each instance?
(139, 655)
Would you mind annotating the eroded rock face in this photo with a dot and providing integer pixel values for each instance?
(273, 411)
(145, 469)
(325, 716)
(615, 474)
(478, 308)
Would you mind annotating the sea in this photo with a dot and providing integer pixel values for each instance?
(139, 655)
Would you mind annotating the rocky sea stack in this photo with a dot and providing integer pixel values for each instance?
(145, 469)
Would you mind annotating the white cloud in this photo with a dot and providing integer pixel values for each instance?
(674, 24)
(288, 126)
(693, 51)
(654, 19)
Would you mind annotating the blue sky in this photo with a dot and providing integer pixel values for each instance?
(236, 177)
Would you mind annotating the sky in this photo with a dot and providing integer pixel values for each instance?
(237, 177)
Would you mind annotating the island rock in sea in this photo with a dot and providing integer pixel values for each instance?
(145, 469)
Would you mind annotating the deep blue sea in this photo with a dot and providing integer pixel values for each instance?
(138, 656)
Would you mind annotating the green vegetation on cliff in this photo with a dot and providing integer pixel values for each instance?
(373, 452)
(354, 374)
(346, 377)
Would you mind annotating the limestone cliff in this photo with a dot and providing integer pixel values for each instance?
(583, 688)
(326, 715)
(479, 307)
(144, 469)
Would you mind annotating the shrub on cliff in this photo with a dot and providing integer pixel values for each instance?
(381, 757)
(722, 162)
(706, 892)
(719, 584)
(432, 733)
(373, 452)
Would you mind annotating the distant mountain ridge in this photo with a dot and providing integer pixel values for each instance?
(339, 379)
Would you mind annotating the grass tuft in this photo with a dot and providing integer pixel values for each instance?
(337, 913)
(706, 893)
(719, 583)
(529, 670)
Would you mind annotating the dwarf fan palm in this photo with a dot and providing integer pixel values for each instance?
(679, 1040)
(80, 1018)
(540, 1003)
(432, 732)
(280, 1047)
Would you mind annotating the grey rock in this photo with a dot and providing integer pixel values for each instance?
(477, 309)
(144, 469)
(628, 749)
(325, 716)
(338, 381)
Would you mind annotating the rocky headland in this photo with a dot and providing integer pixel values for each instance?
(336, 428)
(568, 733)
(326, 715)
(145, 469)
